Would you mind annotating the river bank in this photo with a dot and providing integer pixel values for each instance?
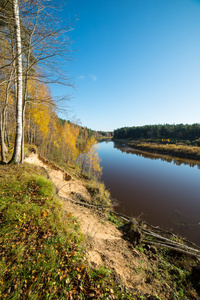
(89, 257)
(178, 150)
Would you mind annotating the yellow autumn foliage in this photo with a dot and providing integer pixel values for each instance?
(38, 108)
(94, 161)
(70, 138)
(88, 159)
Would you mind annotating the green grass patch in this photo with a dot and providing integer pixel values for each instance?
(180, 272)
(114, 219)
(40, 245)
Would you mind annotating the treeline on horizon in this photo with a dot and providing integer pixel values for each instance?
(173, 132)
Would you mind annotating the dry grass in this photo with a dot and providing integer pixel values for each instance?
(178, 150)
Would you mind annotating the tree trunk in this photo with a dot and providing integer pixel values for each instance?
(2, 133)
(7, 133)
(29, 130)
(18, 138)
(25, 94)
(23, 124)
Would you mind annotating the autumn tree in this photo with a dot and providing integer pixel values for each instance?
(93, 162)
(88, 159)
(38, 112)
(46, 40)
(38, 39)
(35, 41)
(69, 142)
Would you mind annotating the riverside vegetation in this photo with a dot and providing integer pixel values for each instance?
(42, 248)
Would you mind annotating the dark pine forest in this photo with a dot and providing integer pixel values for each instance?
(190, 134)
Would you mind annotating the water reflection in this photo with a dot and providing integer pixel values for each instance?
(165, 189)
(176, 161)
(107, 140)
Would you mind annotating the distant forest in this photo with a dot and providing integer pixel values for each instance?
(171, 132)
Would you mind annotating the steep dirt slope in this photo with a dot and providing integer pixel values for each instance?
(104, 244)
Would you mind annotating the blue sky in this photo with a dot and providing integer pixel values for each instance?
(136, 62)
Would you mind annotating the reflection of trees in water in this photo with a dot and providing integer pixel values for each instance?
(104, 140)
(123, 148)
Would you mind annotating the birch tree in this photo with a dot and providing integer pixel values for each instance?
(37, 41)
(19, 101)
(45, 41)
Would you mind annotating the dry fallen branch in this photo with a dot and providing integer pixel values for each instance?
(171, 248)
(169, 241)
(84, 203)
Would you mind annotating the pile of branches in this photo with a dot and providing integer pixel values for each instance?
(142, 232)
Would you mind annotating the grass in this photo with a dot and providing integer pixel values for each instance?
(40, 246)
(179, 274)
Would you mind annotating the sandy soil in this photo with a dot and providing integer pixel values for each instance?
(104, 244)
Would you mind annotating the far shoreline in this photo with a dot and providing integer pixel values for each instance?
(180, 151)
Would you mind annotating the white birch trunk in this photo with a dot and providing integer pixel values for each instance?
(2, 136)
(18, 138)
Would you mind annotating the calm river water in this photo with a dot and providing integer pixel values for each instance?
(166, 190)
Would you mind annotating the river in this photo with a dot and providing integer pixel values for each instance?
(165, 190)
